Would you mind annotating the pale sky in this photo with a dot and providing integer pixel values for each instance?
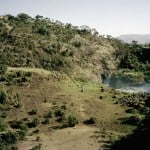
(113, 17)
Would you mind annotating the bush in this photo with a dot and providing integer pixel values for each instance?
(2, 97)
(14, 148)
(46, 121)
(3, 146)
(72, 121)
(9, 137)
(37, 147)
(34, 123)
(33, 112)
(3, 68)
(49, 115)
(21, 135)
(91, 120)
(59, 113)
(19, 125)
(2, 127)
(4, 115)
(43, 31)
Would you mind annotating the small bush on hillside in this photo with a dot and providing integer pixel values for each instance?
(9, 137)
(34, 123)
(2, 97)
(61, 119)
(46, 121)
(33, 112)
(21, 135)
(43, 30)
(14, 148)
(18, 125)
(37, 147)
(72, 121)
(4, 115)
(49, 115)
(18, 73)
(2, 127)
(91, 120)
(3, 68)
(28, 74)
(59, 112)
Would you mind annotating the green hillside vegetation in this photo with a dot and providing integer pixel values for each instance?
(43, 43)
(51, 91)
(136, 61)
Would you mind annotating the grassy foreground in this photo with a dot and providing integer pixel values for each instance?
(46, 103)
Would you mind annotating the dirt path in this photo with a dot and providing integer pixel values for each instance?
(77, 138)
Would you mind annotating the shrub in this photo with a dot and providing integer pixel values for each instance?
(3, 68)
(19, 125)
(33, 112)
(61, 119)
(2, 97)
(37, 138)
(14, 148)
(46, 121)
(91, 120)
(9, 137)
(28, 74)
(49, 115)
(4, 115)
(59, 112)
(36, 131)
(2, 127)
(37, 147)
(3, 146)
(43, 30)
(21, 135)
(72, 121)
(34, 123)
(18, 74)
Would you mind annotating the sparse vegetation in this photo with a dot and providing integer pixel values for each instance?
(74, 59)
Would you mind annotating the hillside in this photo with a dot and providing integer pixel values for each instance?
(141, 39)
(44, 43)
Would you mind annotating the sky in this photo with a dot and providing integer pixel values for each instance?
(108, 17)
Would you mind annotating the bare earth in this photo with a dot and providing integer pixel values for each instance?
(77, 138)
